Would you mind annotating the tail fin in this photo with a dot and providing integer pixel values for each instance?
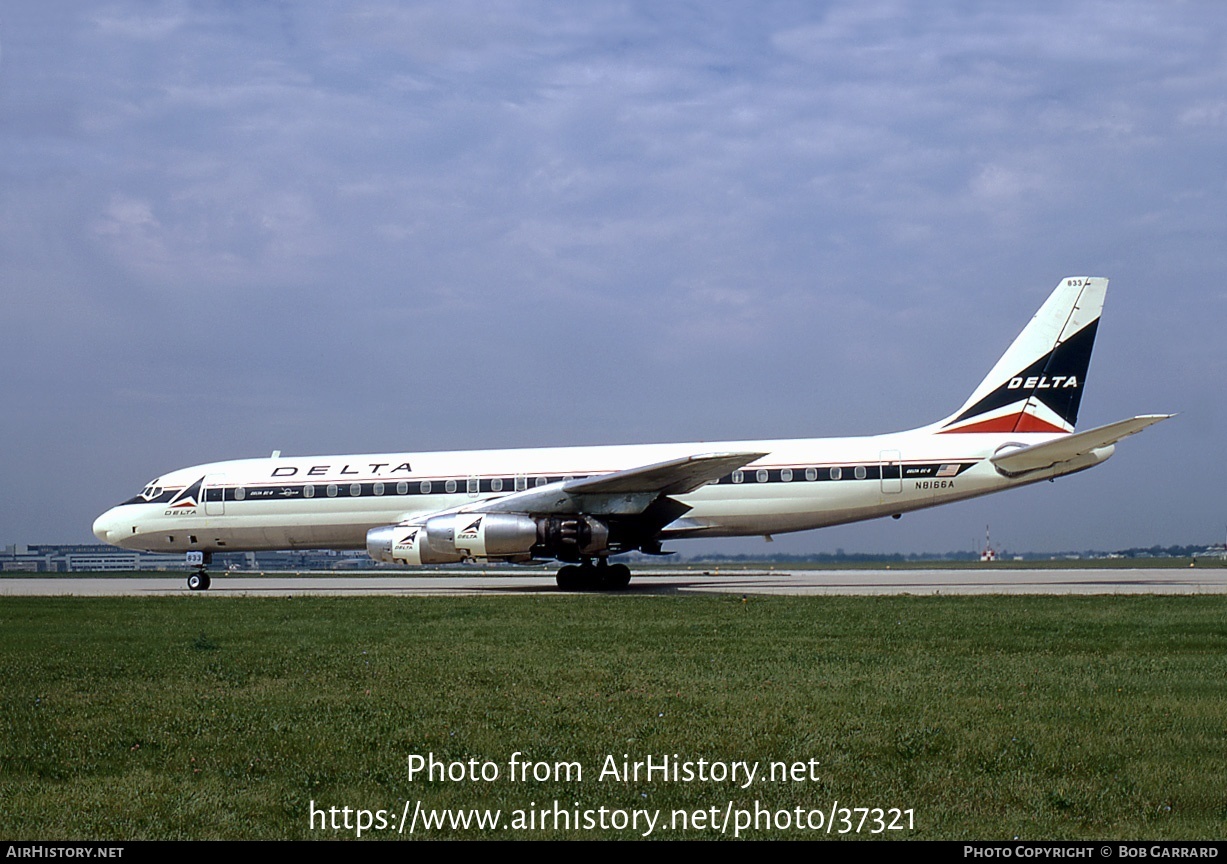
(1036, 386)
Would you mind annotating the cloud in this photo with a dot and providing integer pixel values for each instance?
(645, 211)
(144, 25)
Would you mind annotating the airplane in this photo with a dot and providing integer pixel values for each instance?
(582, 505)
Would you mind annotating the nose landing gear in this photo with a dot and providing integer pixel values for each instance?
(198, 579)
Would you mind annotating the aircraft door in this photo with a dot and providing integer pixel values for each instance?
(214, 495)
(891, 464)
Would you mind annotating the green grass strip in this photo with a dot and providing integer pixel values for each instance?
(990, 717)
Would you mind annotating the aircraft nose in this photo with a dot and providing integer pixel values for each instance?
(104, 526)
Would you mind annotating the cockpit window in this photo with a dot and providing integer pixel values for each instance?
(152, 491)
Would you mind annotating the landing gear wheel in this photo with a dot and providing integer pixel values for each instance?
(198, 581)
(615, 577)
(570, 578)
(594, 577)
(198, 560)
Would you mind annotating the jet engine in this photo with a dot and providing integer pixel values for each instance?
(405, 544)
(449, 538)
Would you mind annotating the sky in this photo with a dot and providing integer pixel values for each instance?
(228, 229)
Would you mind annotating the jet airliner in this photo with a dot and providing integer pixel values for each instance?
(582, 505)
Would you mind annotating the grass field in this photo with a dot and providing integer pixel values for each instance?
(990, 717)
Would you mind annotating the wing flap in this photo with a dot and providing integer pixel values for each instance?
(1068, 448)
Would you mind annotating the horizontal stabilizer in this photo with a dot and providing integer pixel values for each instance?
(1023, 460)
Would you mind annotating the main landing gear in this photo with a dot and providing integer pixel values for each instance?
(587, 576)
(198, 579)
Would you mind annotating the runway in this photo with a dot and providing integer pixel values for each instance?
(1191, 580)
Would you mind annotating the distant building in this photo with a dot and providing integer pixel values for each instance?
(93, 558)
(1217, 552)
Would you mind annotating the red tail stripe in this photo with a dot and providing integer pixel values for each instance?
(1020, 422)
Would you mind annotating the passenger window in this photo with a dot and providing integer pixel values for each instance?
(811, 473)
(332, 490)
(786, 475)
(355, 489)
(450, 486)
(860, 472)
(402, 488)
(378, 489)
(496, 485)
(425, 487)
(762, 475)
(837, 473)
(738, 476)
(308, 491)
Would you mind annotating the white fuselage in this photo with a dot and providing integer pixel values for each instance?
(580, 505)
(333, 501)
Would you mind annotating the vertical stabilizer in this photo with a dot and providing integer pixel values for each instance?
(1037, 384)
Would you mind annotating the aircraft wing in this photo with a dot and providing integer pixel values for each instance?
(623, 492)
(675, 477)
(1023, 460)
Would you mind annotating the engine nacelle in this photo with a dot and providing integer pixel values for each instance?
(508, 536)
(406, 544)
(494, 535)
